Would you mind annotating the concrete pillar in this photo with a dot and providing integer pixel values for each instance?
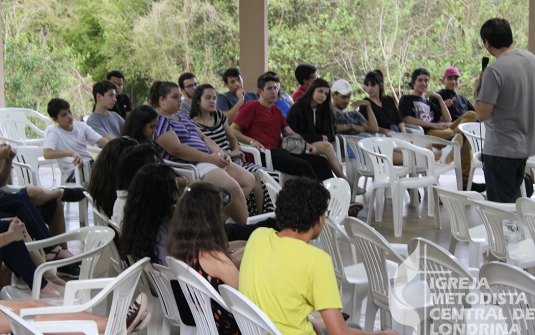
(253, 41)
(531, 26)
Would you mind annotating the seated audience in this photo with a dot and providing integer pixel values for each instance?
(68, 139)
(123, 105)
(179, 140)
(188, 84)
(141, 125)
(284, 100)
(197, 238)
(312, 117)
(260, 124)
(105, 122)
(103, 184)
(419, 110)
(305, 74)
(384, 107)
(275, 282)
(457, 104)
(230, 103)
(213, 123)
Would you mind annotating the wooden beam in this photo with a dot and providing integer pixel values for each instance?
(253, 41)
(531, 26)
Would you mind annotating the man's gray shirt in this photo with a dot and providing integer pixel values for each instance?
(110, 124)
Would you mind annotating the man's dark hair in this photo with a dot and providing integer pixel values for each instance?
(56, 105)
(266, 78)
(102, 87)
(300, 204)
(116, 74)
(232, 72)
(497, 32)
(183, 77)
(303, 72)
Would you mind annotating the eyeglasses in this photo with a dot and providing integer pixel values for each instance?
(192, 85)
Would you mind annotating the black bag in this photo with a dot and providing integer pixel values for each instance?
(294, 144)
(528, 181)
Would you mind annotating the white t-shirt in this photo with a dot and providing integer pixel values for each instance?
(118, 207)
(75, 140)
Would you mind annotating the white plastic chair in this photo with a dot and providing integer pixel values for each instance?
(13, 123)
(32, 156)
(251, 319)
(339, 204)
(122, 289)
(525, 208)
(198, 293)
(439, 266)
(18, 325)
(511, 281)
(493, 214)
(475, 134)
(381, 150)
(360, 166)
(456, 203)
(95, 240)
(160, 276)
(271, 184)
(441, 167)
(375, 250)
(414, 129)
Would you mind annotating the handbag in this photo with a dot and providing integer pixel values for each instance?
(294, 144)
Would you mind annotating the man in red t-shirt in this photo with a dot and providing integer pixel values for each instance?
(260, 123)
(305, 74)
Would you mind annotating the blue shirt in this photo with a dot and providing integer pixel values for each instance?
(227, 100)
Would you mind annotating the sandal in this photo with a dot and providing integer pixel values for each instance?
(71, 270)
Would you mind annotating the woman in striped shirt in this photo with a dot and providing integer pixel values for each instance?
(213, 123)
(178, 139)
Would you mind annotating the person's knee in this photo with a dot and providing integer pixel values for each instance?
(470, 116)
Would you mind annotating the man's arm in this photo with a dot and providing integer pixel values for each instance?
(102, 142)
(370, 126)
(54, 154)
(446, 117)
(236, 130)
(483, 110)
(233, 111)
(418, 122)
(336, 325)
(6, 157)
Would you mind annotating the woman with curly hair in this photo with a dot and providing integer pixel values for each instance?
(312, 117)
(103, 184)
(197, 238)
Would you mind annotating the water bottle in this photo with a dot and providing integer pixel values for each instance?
(511, 232)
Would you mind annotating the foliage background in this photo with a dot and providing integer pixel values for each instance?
(61, 47)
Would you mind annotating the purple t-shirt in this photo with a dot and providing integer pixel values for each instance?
(185, 130)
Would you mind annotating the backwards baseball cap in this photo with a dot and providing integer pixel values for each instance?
(342, 86)
(451, 71)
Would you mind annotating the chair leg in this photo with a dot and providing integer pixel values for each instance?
(371, 312)
(379, 204)
(474, 256)
(470, 178)
(82, 213)
(430, 202)
(453, 245)
(436, 206)
(370, 207)
(397, 204)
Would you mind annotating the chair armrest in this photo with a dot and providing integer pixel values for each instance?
(253, 151)
(94, 150)
(11, 188)
(73, 286)
(429, 155)
(88, 327)
(10, 140)
(190, 168)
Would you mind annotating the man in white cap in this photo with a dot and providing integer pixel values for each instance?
(351, 122)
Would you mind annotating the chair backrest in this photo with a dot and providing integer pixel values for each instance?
(18, 325)
(28, 155)
(364, 162)
(416, 139)
(101, 219)
(340, 198)
(95, 239)
(13, 123)
(511, 281)
(525, 207)
(456, 203)
(198, 293)
(438, 266)
(271, 184)
(26, 175)
(160, 277)
(493, 216)
(251, 319)
(328, 242)
(374, 249)
(475, 133)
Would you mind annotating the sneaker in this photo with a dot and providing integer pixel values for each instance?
(447, 153)
(137, 312)
(75, 194)
(354, 209)
(477, 187)
(71, 271)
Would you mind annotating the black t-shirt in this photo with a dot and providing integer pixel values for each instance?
(123, 105)
(386, 115)
(460, 106)
(419, 108)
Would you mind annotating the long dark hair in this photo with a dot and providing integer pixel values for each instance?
(136, 122)
(375, 77)
(195, 109)
(196, 224)
(160, 89)
(131, 161)
(325, 109)
(150, 203)
(103, 184)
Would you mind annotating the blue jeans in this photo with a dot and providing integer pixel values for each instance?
(503, 177)
(16, 257)
(21, 206)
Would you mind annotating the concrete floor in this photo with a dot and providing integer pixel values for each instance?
(415, 223)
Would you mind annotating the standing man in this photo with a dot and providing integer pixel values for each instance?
(305, 74)
(505, 101)
(123, 105)
(229, 103)
(188, 84)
